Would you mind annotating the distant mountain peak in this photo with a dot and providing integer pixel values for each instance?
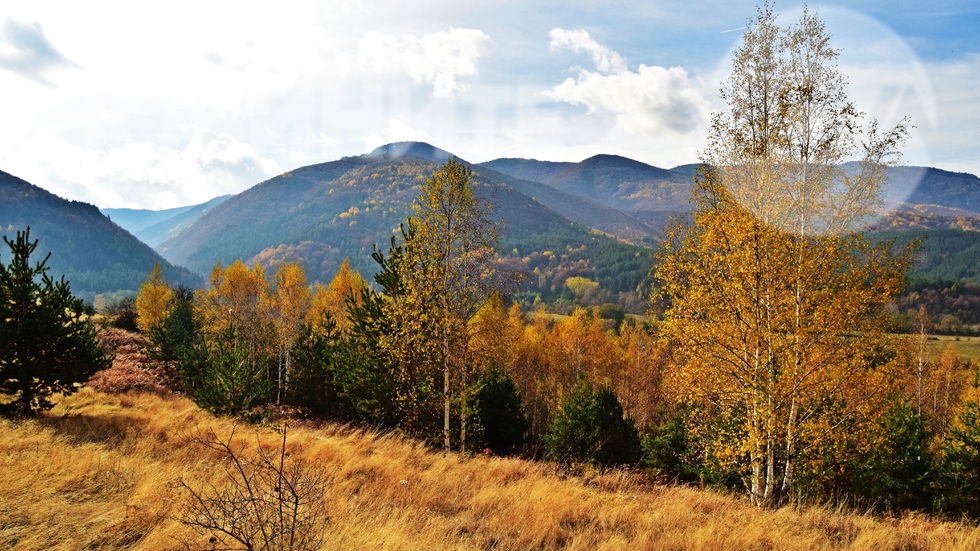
(411, 149)
(604, 158)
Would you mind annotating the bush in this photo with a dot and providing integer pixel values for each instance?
(591, 428)
(269, 499)
(123, 314)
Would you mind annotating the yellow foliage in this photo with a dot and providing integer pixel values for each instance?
(330, 302)
(238, 299)
(153, 300)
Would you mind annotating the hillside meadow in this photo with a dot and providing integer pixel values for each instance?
(103, 471)
(968, 348)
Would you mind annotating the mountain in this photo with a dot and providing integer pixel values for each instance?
(165, 229)
(648, 196)
(320, 214)
(609, 179)
(924, 195)
(95, 254)
(134, 220)
(916, 185)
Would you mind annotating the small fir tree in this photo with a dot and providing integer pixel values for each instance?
(591, 428)
(47, 344)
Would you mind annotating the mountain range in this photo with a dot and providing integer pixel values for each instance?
(323, 213)
(597, 218)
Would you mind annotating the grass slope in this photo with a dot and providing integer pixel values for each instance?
(100, 471)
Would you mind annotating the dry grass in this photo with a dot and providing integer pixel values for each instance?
(100, 472)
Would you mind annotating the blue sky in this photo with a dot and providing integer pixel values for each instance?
(131, 104)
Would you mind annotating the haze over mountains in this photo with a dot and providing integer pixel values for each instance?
(156, 226)
(596, 218)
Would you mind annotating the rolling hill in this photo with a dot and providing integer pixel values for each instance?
(96, 255)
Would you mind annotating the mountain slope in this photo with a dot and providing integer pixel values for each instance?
(96, 255)
(322, 213)
(110, 462)
(156, 226)
(134, 220)
(915, 185)
(609, 179)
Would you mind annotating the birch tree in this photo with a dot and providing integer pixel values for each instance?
(153, 300)
(452, 259)
(773, 292)
(289, 304)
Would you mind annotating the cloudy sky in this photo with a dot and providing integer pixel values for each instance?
(155, 105)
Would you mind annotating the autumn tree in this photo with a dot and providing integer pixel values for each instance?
(330, 301)
(237, 298)
(47, 344)
(960, 473)
(288, 305)
(772, 293)
(451, 266)
(231, 369)
(152, 300)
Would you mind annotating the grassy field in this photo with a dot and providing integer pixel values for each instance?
(103, 471)
(967, 347)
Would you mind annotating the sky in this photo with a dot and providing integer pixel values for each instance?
(163, 104)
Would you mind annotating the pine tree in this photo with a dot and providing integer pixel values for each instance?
(47, 345)
(592, 428)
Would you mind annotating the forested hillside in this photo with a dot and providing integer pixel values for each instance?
(95, 255)
(320, 214)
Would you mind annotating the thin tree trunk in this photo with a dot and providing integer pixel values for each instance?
(445, 391)
(790, 450)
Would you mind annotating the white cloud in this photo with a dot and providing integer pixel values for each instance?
(952, 139)
(606, 61)
(439, 59)
(25, 50)
(143, 174)
(644, 103)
